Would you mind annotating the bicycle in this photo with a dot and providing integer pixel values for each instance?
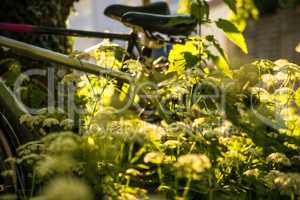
(152, 27)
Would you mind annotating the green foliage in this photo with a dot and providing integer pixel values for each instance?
(196, 149)
(200, 10)
(47, 121)
(231, 4)
(196, 132)
(233, 34)
(52, 13)
(33, 90)
(185, 55)
(245, 10)
(197, 8)
(195, 53)
(184, 7)
(66, 188)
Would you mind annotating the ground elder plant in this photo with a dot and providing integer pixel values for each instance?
(195, 129)
(247, 148)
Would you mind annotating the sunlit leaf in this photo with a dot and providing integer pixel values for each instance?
(233, 34)
(297, 97)
(184, 7)
(298, 48)
(231, 4)
(183, 56)
(217, 46)
(284, 95)
(223, 65)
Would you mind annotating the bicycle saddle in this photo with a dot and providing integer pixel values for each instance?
(116, 11)
(167, 24)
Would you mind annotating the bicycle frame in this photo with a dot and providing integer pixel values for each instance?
(26, 28)
(48, 55)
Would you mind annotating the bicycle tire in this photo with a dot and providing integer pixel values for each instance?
(13, 184)
(7, 184)
(12, 135)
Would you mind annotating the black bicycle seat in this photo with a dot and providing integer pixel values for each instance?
(166, 24)
(116, 11)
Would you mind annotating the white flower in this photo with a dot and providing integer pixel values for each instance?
(67, 189)
(25, 118)
(67, 124)
(133, 172)
(50, 122)
(198, 122)
(287, 183)
(252, 173)
(154, 157)
(171, 144)
(192, 164)
(279, 158)
(30, 120)
(64, 143)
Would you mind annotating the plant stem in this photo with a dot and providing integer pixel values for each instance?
(160, 176)
(128, 181)
(187, 186)
(292, 196)
(130, 152)
(210, 186)
(32, 184)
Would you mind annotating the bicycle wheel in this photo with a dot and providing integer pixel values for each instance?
(12, 135)
(8, 184)
(15, 181)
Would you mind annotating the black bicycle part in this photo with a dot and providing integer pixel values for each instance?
(171, 25)
(13, 183)
(116, 11)
(27, 28)
(8, 184)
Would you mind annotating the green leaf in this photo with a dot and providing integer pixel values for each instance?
(217, 45)
(222, 60)
(233, 34)
(183, 56)
(200, 10)
(184, 7)
(231, 4)
(297, 97)
(223, 65)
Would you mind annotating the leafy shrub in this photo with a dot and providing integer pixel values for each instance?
(200, 130)
(247, 149)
